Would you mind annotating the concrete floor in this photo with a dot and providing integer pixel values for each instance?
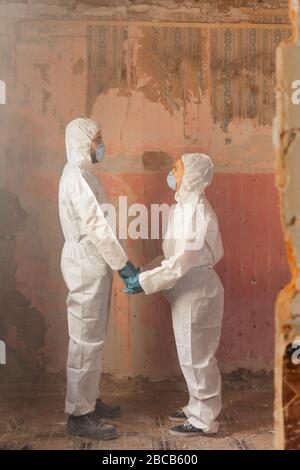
(35, 419)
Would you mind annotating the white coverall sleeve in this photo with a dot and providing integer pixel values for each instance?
(168, 273)
(154, 263)
(96, 226)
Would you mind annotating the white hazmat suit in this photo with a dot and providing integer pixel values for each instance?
(194, 292)
(90, 253)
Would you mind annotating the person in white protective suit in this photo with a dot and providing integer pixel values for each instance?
(90, 254)
(194, 291)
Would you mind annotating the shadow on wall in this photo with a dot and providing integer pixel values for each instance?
(22, 327)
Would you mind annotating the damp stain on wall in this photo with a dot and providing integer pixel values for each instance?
(174, 60)
(155, 161)
(78, 67)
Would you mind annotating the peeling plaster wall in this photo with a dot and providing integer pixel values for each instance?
(260, 11)
(157, 91)
(287, 145)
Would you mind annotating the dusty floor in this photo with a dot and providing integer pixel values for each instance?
(36, 420)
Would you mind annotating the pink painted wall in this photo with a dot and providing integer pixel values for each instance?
(157, 92)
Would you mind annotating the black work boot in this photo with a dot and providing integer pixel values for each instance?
(91, 426)
(104, 411)
(179, 415)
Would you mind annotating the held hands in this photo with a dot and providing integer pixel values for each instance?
(130, 276)
(128, 271)
(133, 285)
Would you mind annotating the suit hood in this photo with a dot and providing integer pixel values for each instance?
(198, 173)
(78, 138)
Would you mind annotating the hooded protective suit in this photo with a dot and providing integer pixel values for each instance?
(194, 291)
(90, 253)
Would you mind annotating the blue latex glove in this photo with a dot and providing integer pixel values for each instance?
(133, 285)
(128, 271)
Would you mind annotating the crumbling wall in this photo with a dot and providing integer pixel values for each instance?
(196, 11)
(157, 90)
(287, 143)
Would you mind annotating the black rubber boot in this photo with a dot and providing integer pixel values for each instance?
(104, 411)
(91, 426)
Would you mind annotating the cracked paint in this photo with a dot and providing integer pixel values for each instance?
(137, 10)
(287, 144)
(151, 110)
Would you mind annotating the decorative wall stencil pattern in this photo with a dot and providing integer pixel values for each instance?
(176, 70)
(242, 64)
(106, 61)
